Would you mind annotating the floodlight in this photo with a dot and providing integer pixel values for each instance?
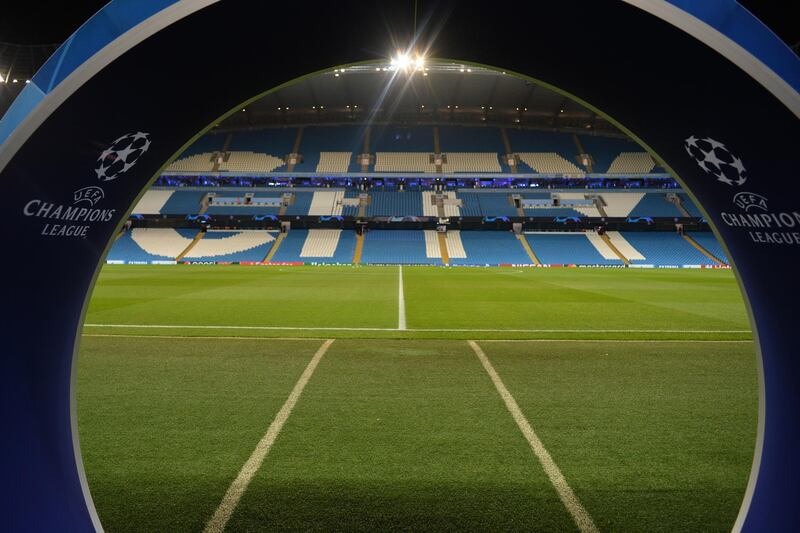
(15, 80)
(2, 79)
(27, 81)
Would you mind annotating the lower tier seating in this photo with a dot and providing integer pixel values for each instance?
(405, 247)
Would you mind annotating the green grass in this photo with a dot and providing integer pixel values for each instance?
(404, 430)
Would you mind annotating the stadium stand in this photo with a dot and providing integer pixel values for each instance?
(549, 163)
(127, 250)
(470, 139)
(653, 205)
(687, 204)
(665, 249)
(620, 204)
(233, 202)
(707, 240)
(396, 247)
(428, 205)
(230, 246)
(183, 202)
(395, 204)
(334, 162)
(470, 204)
(432, 248)
(542, 141)
(574, 248)
(203, 162)
(326, 203)
(455, 246)
(604, 150)
(625, 248)
(301, 204)
(316, 246)
(250, 162)
(152, 202)
(404, 162)
(489, 248)
(275, 141)
(331, 149)
(497, 203)
(632, 163)
(471, 162)
(398, 139)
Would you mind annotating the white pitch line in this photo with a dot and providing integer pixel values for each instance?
(568, 497)
(433, 330)
(239, 485)
(401, 302)
(259, 338)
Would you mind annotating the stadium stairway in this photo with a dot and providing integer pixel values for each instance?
(620, 243)
(604, 248)
(275, 247)
(528, 250)
(443, 248)
(614, 249)
(200, 235)
(679, 204)
(359, 249)
(702, 250)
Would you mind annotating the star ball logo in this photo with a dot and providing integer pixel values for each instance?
(716, 159)
(63, 220)
(121, 155)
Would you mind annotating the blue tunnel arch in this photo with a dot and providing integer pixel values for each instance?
(705, 70)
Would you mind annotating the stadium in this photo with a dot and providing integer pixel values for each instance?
(395, 290)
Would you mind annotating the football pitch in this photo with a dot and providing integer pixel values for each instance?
(463, 398)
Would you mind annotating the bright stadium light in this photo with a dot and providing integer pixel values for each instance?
(2, 79)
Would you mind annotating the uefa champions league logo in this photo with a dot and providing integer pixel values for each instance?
(715, 159)
(121, 155)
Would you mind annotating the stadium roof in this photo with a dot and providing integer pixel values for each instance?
(439, 92)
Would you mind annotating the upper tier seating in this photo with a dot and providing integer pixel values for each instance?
(471, 162)
(152, 202)
(605, 149)
(400, 139)
(470, 139)
(542, 141)
(549, 163)
(488, 248)
(203, 162)
(632, 163)
(250, 162)
(665, 249)
(277, 141)
(556, 248)
(396, 247)
(334, 162)
(404, 162)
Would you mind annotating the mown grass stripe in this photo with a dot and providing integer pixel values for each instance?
(565, 492)
(432, 330)
(234, 493)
